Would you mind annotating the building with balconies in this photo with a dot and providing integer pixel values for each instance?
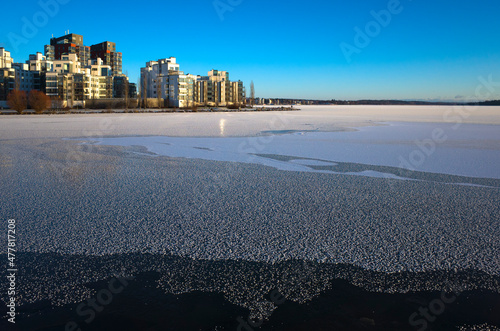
(163, 80)
(67, 44)
(7, 74)
(107, 52)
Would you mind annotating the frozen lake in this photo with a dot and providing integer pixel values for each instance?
(471, 150)
(301, 187)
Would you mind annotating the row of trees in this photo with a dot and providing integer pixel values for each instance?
(37, 100)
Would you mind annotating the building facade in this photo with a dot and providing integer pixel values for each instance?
(107, 52)
(67, 44)
(7, 74)
(69, 71)
(164, 81)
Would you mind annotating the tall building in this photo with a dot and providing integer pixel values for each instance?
(158, 79)
(5, 59)
(39, 62)
(7, 74)
(238, 93)
(80, 72)
(107, 52)
(216, 89)
(73, 44)
(69, 71)
(71, 82)
(26, 80)
(68, 44)
(162, 79)
(123, 88)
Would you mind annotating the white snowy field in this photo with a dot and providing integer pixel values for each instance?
(471, 150)
(450, 140)
(315, 118)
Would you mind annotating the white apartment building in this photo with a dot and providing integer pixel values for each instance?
(5, 60)
(70, 82)
(38, 62)
(7, 75)
(69, 64)
(163, 80)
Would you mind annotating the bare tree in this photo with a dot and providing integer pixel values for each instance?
(38, 101)
(17, 100)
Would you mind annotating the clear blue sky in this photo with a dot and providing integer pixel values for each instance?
(429, 49)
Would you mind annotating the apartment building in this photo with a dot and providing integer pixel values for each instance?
(7, 74)
(123, 88)
(38, 62)
(5, 59)
(163, 80)
(73, 44)
(107, 52)
(26, 80)
(67, 44)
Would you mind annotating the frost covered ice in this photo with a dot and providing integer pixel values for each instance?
(211, 187)
(472, 151)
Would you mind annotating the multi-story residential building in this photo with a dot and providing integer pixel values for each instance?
(68, 63)
(238, 93)
(38, 62)
(121, 85)
(178, 89)
(26, 80)
(162, 79)
(216, 89)
(73, 44)
(5, 59)
(107, 52)
(68, 44)
(7, 74)
(157, 70)
(7, 82)
(70, 82)
(69, 70)
(49, 52)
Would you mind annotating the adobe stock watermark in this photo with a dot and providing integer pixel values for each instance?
(429, 314)
(223, 6)
(11, 270)
(89, 309)
(372, 29)
(255, 145)
(30, 27)
(427, 147)
(218, 182)
(75, 156)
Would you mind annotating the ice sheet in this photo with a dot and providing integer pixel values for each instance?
(232, 124)
(471, 150)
